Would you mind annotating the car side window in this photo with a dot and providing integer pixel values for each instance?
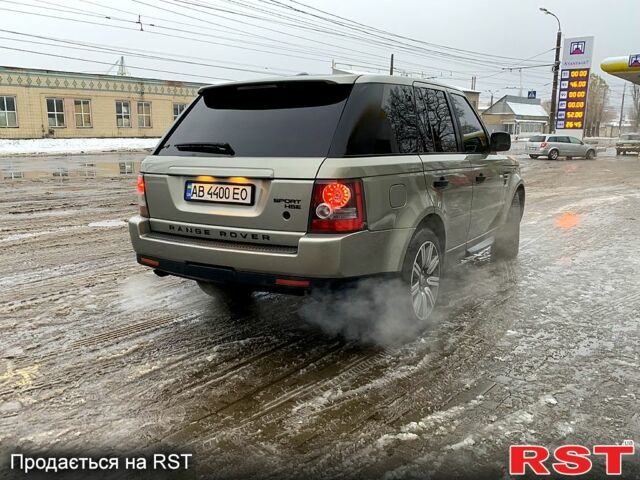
(379, 119)
(575, 140)
(400, 109)
(427, 144)
(562, 140)
(433, 111)
(473, 135)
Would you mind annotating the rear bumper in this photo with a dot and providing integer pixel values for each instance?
(258, 281)
(537, 151)
(317, 256)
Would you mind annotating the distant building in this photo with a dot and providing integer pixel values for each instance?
(473, 96)
(612, 129)
(38, 103)
(519, 116)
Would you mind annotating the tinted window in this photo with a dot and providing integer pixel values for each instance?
(561, 140)
(379, 119)
(537, 138)
(287, 119)
(427, 143)
(434, 112)
(473, 135)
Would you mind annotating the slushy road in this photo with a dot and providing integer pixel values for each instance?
(97, 354)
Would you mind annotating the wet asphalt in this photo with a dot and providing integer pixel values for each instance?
(100, 356)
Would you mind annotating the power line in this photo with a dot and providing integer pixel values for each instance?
(87, 22)
(419, 51)
(107, 63)
(415, 52)
(374, 29)
(119, 50)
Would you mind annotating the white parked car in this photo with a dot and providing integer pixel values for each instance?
(554, 146)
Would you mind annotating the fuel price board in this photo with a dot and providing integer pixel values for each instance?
(572, 99)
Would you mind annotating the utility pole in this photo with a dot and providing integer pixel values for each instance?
(491, 92)
(520, 90)
(556, 72)
(391, 66)
(624, 90)
(122, 69)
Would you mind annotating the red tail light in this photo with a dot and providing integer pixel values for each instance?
(140, 185)
(142, 200)
(337, 206)
(544, 145)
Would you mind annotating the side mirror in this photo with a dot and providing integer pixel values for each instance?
(500, 141)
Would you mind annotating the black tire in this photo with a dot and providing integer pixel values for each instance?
(507, 242)
(553, 155)
(232, 296)
(618, 152)
(423, 237)
(534, 156)
(591, 154)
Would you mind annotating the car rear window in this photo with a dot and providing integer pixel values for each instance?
(537, 138)
(280, 119)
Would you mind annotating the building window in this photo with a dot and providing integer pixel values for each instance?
(12, 174)
(83, 113)
(8, 113)
(123, 114)
(144, 114)
(126, 168)
(178, 108)
(55, 112)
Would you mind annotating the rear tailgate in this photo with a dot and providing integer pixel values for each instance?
(243, 159)
(280, 199)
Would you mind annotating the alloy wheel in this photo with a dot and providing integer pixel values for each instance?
(425, 280)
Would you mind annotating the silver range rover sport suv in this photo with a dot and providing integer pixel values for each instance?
(317, 182)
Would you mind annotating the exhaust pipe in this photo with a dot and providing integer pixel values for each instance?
(160, 273)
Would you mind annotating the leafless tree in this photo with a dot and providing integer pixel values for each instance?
(635, 107)
(596, 102)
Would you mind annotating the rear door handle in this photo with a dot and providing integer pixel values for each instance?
(441, 183)
(480, 178)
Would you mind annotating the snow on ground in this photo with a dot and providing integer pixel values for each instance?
(74, 145)
(108, 224)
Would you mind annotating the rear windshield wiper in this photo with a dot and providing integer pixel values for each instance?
(207, 147)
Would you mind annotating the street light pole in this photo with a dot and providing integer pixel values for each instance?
(556, 71)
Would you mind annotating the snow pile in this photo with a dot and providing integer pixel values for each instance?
(74, 145)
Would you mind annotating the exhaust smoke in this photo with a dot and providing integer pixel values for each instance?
(375, 311)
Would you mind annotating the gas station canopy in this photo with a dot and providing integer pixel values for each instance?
(626, 68)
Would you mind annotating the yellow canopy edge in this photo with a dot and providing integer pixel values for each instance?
(626, 68)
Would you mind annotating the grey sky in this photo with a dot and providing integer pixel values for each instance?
(513, 28)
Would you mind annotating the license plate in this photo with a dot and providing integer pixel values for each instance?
(219, 193)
